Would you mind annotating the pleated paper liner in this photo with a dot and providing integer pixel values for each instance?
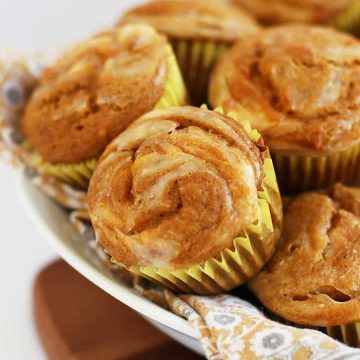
(75, 174)
(175, 92)
(350, 19)
(303, 173)
(348, 334)
(232, 267)
(79, 175)
(196, 59)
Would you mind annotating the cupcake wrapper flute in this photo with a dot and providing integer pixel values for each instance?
(74, 174)
(348, 334)
(303, 173)
(175, 93)
(196, 59)
(350, 19)
(79, 175)
(234, 266)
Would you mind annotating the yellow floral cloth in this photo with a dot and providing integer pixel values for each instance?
(228, 328)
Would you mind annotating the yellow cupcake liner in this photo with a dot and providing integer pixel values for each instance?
(196, 59)
(349, 20)
(348, 334)
(232, 267)
(175, 92)
(79, 175)
(303, 173)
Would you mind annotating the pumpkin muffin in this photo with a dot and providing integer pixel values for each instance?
(313, 278)
(305, 11)
(94, 92)
(187, 198)
(199, 31)
(299, 86)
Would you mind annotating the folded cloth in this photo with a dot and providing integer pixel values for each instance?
(227, 327)
(230, 329)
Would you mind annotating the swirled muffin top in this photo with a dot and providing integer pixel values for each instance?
(176, 188)
(298, 85)
(283, 11)
(94, 91)
(194, 19)
(314, 279)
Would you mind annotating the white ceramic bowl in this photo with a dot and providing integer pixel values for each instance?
(53, 224)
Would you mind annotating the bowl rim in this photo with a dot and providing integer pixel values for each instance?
(115, 288)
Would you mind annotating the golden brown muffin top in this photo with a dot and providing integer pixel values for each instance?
(175, 188)
(94, 91)
(297, 84)
(194, 19)
(314, 278)
(283, 11)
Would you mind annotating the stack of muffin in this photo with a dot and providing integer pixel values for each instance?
(188, 197)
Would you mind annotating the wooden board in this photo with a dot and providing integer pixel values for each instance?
(76, 320)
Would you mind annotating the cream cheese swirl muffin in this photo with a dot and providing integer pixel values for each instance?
(285, 11)
(199, 31)
(299, 86)
(194, 19)
(177, 187)
(96, 90)
(313, 279)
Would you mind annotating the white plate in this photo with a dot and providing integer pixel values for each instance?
(53, 224)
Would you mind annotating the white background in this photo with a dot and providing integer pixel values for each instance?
(28, 26)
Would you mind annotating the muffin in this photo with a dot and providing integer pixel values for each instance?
(187, 198)
(94, 92)
(305, 11)
(313, 278)
(299, 86)
(199, 32)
